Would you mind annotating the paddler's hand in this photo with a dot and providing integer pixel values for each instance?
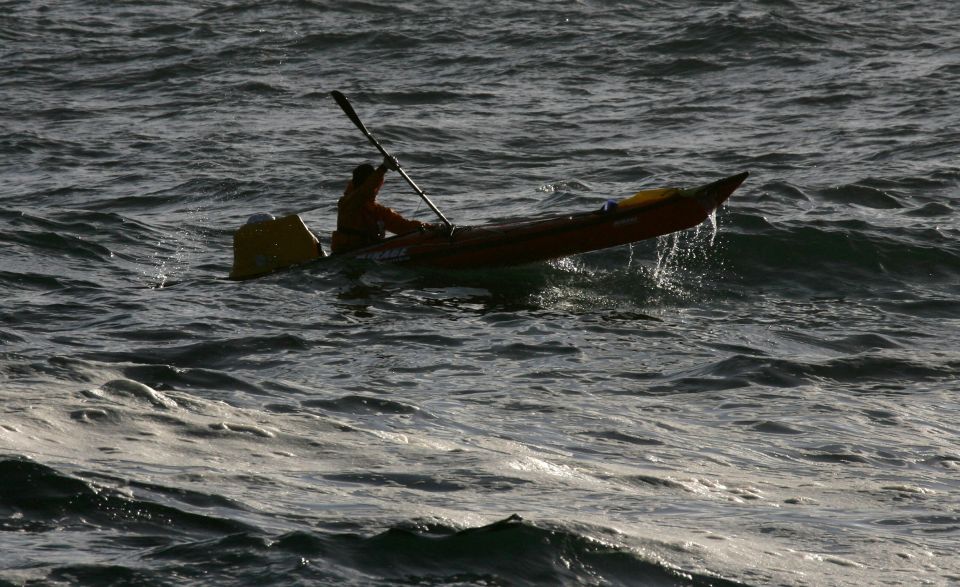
(390, 162)
(433, 227)
(437, 227)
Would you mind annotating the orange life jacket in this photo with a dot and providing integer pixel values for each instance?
(361, 221)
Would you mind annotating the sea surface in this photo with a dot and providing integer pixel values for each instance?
(770, 398)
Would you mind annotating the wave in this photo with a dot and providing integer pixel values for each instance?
(729, 34)
(356, 404)
(50, 501)
(825, 255)
(872, 371)
(172, 532)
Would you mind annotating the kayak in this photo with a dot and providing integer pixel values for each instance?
(263, 247)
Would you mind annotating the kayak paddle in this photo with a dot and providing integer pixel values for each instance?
(352, 115)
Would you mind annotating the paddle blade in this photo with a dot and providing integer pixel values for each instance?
(347, 108)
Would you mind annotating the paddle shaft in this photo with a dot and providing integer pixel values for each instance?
(352, 115)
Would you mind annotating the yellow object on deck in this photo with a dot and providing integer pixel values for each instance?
(263, 247)
(647, 196)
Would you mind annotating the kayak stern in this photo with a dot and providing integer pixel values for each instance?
(264, 246)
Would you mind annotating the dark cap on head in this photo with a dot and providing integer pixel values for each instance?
(361, 173)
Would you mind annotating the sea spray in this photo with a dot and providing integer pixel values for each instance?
(683, 258)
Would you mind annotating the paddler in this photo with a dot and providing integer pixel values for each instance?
(361, 220)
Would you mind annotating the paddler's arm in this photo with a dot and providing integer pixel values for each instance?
(375, 181)
(395, 223)
(367, 191)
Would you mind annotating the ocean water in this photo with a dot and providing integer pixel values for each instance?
(768, 399)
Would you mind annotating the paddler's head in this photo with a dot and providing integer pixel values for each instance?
(361, 173)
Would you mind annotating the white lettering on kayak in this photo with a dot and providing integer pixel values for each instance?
(399, 254)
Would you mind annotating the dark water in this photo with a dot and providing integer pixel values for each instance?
(769, 399)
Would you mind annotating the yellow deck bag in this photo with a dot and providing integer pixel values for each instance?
(265, 245)
(647, 197)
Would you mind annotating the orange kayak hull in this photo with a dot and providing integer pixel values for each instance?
(643, 216)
